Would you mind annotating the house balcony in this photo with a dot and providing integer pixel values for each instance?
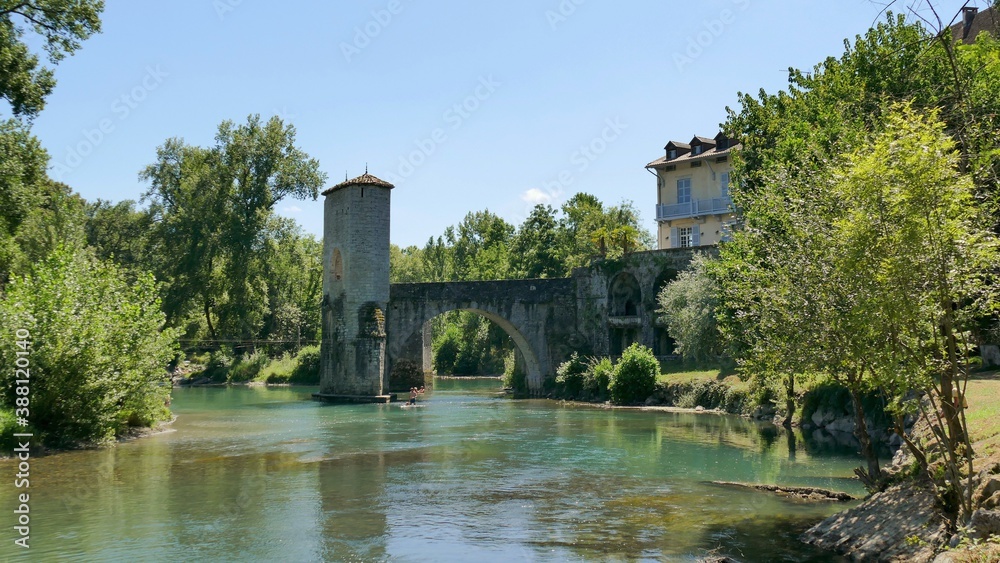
(696, 208)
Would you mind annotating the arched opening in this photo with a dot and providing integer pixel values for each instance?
(468, 342)
(624, 301)
(624, 296)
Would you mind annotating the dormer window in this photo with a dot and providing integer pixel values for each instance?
(672, 153)
(696, 149)
(723, 144)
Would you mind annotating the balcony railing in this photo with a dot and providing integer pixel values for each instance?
(696, 208)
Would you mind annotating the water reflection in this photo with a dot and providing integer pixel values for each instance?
(259, 474)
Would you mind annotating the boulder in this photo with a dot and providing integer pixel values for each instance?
(985, 523)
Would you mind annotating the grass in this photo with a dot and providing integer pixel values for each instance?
(686, 372)
(983, 415)
(278, 369)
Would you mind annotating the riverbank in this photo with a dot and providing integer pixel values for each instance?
(905, 523)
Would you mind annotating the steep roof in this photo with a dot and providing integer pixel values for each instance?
(365, 179)
(969, 27)
(711, 151)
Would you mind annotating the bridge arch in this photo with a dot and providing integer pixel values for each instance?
(534, 313)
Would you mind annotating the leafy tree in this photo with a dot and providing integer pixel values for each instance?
(98, 348)
(634, 377)
(534, 251)
(60, 26)
(22, 171)
(480, 246)
(212, 207)
(58, 219)
(120, 232)
(688, 305)
(406, 264)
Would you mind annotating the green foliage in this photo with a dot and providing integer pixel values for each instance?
(59, 26)
(634, 376)
(534, 250)
(99, 351)
(217, 367)
(22, 172)
(446, 349)
(597, 378)
(514, 377)
(688, 305)
(570, 376)
(219, 245)
(247, 367)
(298, 369)
(711, 394)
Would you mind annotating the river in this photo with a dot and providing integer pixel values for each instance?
(265, 474)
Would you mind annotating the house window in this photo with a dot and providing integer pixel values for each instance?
(671, 168)
(696, 164)
(724, 182)
(696, 149)
(685, 237)
(672, 153)
(684, 190)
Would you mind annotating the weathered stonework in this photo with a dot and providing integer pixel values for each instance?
(355, 290)
(368, 326)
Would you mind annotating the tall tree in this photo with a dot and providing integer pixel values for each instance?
(534, 251)
(60, 26)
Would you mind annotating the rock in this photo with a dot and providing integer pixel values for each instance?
(985, 523)
(699, 408)
(717, 559)
(954, 541)
(884, 526)
(818, 418)
(650, 401)
(845, 425)
(988, 492)
(807, 426)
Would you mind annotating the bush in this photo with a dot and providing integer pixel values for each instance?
(278, 370)
(98, 348)
(218, 365)
(634, 377)
(513, 376)
(446, 351)
(248, 367)
(598, 376)
(306, 371)
(569, 376)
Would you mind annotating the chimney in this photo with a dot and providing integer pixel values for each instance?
(968, 16)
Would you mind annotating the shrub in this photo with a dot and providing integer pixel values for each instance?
(278, 370)
(98, 348)
(247, 367)
(306, 371)
(446, 350)
(634, 377)
(569, 376)
(598, 376)
(513, 376)
(218, 365)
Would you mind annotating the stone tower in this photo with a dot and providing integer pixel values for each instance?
(355, 290)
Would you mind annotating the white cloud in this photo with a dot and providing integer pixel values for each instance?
(535, 196)
(292, 209)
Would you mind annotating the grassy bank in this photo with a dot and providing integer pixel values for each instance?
(222, 366)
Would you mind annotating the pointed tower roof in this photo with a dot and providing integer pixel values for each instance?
(365, 179)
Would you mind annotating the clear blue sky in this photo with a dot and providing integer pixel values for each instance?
(465, 105)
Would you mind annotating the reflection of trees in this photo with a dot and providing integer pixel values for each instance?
(354, 519)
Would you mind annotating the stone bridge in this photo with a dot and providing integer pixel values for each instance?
(600, 310)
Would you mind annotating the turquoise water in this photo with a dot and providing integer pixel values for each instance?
(257, 474)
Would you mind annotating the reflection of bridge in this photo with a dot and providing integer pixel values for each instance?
(600, 310)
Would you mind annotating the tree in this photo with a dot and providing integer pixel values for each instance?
(480, 247)
(120, 232)
(688, 305)
(22, 171)
(60, 25)
(534, 251)
(212, 207)
(98, 348)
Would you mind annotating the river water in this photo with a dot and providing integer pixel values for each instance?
(258, 474)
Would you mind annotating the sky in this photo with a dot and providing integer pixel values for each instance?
(464, 106)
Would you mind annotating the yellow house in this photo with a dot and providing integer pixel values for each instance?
(693, 207)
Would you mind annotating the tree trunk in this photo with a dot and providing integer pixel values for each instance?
(873, 476)
(789, 401)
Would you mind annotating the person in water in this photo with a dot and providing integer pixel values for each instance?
(413, 396)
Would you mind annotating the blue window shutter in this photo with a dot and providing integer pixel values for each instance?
(696, 236)
(674, 242)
